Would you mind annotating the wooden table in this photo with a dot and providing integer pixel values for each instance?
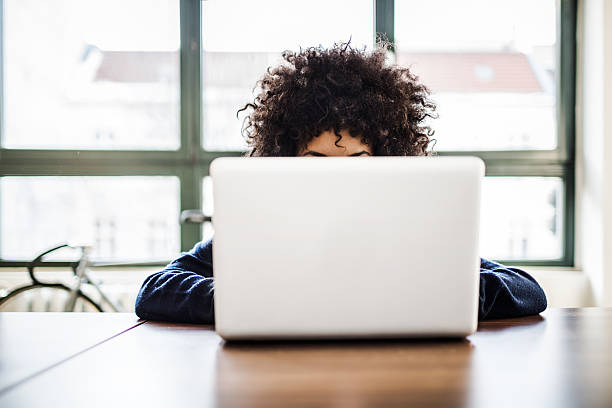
(561, 359)
(31, 343)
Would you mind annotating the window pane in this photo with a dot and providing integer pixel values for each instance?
(207, 207)
(91, 74)
(125, 218)
(490, 65)
(241, 38)
(522, 218)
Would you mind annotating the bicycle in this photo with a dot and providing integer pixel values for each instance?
(82, 276)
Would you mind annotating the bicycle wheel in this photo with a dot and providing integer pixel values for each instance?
(39, 297)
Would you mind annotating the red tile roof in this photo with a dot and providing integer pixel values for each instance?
(138, 66)
(473, 72)
(441, 72)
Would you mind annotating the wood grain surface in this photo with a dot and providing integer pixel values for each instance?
(560, 359)
(31, 342)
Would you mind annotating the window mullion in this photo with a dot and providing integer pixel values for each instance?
(190, 80)
(191, 198)
(525, 169)
(566, 80)
(569, 225)
(190, 77)
(384, 19)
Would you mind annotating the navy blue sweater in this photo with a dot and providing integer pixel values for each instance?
(184, 290)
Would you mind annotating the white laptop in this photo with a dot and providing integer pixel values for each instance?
(339, 247)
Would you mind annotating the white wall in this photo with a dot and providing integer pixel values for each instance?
(563, 288)
(594, 147)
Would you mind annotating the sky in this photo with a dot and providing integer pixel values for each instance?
(482, 25)
(276, 25)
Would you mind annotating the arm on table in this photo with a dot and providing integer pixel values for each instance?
(183, 292)
(508, 292)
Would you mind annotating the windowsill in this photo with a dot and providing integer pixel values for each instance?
(564, 286)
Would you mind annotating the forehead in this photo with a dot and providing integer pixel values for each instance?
(327, 142)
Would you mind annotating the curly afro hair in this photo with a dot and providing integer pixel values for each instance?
(331, 89)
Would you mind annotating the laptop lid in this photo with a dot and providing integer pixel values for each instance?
(346, 247)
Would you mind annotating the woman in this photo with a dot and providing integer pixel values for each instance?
(330, 102)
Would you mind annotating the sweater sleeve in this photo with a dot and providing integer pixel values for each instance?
(182, 292)
(508, 292)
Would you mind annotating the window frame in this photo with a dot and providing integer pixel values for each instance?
(559, 162)
(190, 163)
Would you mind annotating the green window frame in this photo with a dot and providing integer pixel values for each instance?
(524, 163)
(190, 162)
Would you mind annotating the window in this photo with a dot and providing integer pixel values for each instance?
(91, 145)
(106, 135)
(504, 86)
(72, 82)
(128, 218)
(237, 49)
(495, 91)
